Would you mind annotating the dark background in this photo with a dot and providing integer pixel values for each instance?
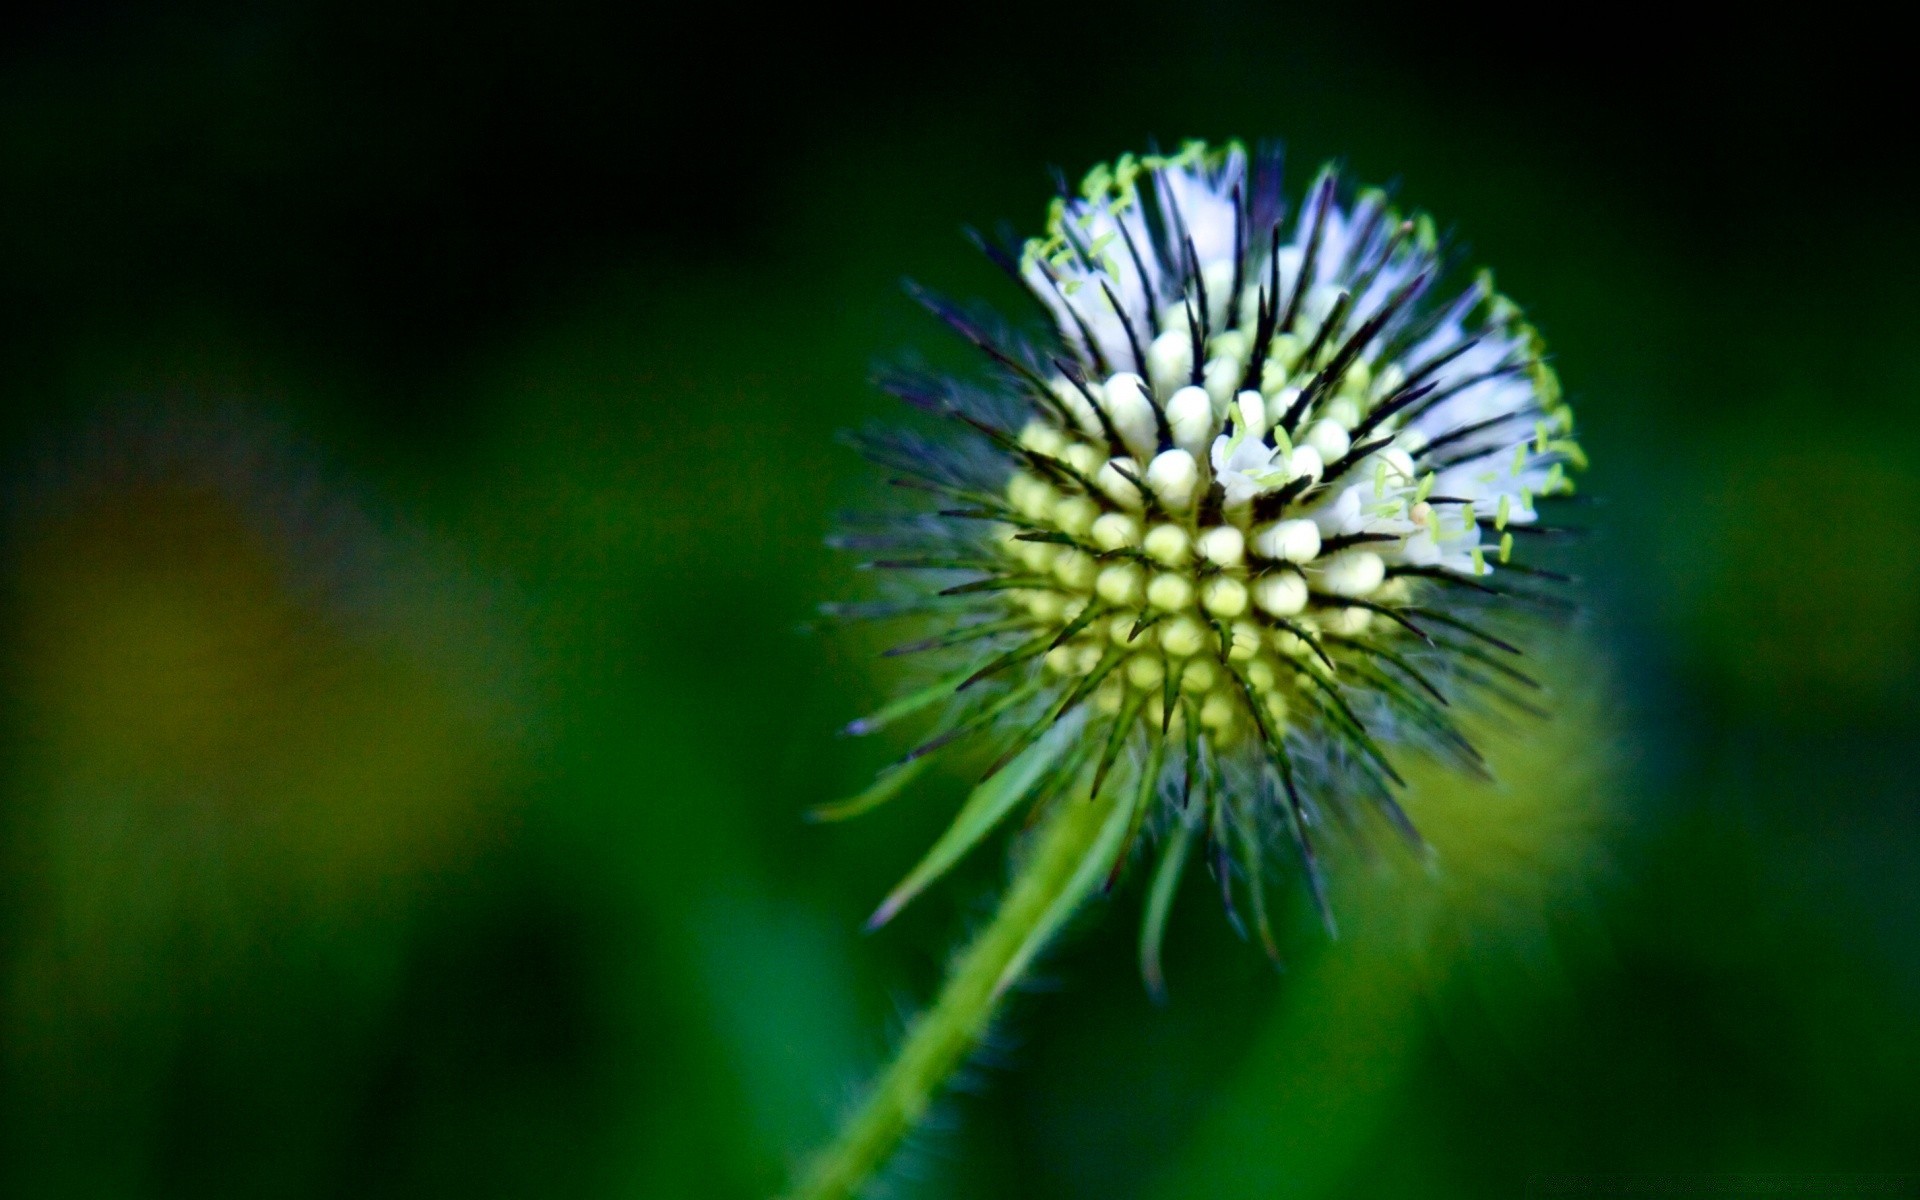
(418, 436)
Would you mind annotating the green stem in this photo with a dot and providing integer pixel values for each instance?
(1067, 855)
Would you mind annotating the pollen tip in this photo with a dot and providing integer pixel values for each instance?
(888, 909)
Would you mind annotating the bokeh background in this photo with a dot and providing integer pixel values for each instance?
(417, 439)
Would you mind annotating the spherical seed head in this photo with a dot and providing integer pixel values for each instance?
(1244, 523)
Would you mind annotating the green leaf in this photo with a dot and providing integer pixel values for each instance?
(984, 808)
(1254, 863)
(1145, 789)
(1093, 867)
(888, 784)
(1153, 929)
(909, 704)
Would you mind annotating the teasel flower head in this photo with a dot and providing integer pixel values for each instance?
(1244, 525)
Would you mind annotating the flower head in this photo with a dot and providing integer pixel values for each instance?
(1238, 531)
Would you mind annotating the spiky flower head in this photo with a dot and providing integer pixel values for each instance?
(1238, 531)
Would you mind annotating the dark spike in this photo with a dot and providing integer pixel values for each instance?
(868, 541)
(1377, 784)
(1343, 359)
(1336, 317)
(1537, 572)
(1391, 405)
(1419, 710)
(1197, 375)
(1316, 876)
(1123, 724)
(1050, 537)
(1363, 279)
(1419, 374)
(1148, 283)
(929, 564)
(1518, 595)
(1143, 800)
(1099, 359)
(954, 491)
(1054, 783)
(1266, 191)
(1067, 704)
(1142, 625)
(1398, 660)
(1313, 643)
(1472, 631)
(918, 531)
(1468, 650)
(1466, 431)
(1220, 861)
(1335, 321)
(1240, 238)
(1153, 222)
(1402, 823)
(1338, 468)
(1147, 496)
(942, 398)
(1487, 684)
(984, 514)
(1283, 764)
(1533, 458)
(1329, 688)
(1190, 727)
(973, 724)
(1534, 529)
(999, 255)
(1128, 553)
(959, 637)
(927, 395)
(1175, 233)
(1046, 464)
(1410, 335)
(1268, 314)
(1257, 886)
(1199, 289)
(1349, 726)
(1393, 614)
(1213, 504)
(1269, 505)
(1002, 583)
(1342, 541)
(881, 610)
(1162, 431)
(1435, 399)
(1093, 611)
(1057, 469)
(1126, 323)
(1011, 658)
(1115, 446)
(1361, 236)
(961, 324)
(1323, 200)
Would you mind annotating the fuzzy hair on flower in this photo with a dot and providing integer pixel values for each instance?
(1235, 531)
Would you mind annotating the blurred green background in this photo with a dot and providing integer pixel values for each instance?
(418, 437)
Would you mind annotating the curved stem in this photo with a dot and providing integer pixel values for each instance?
(1068, 854)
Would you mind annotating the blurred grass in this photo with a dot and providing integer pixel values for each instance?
(1470, 948)
(402, 786)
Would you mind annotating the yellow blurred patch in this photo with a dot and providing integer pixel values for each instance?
(212, 754)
